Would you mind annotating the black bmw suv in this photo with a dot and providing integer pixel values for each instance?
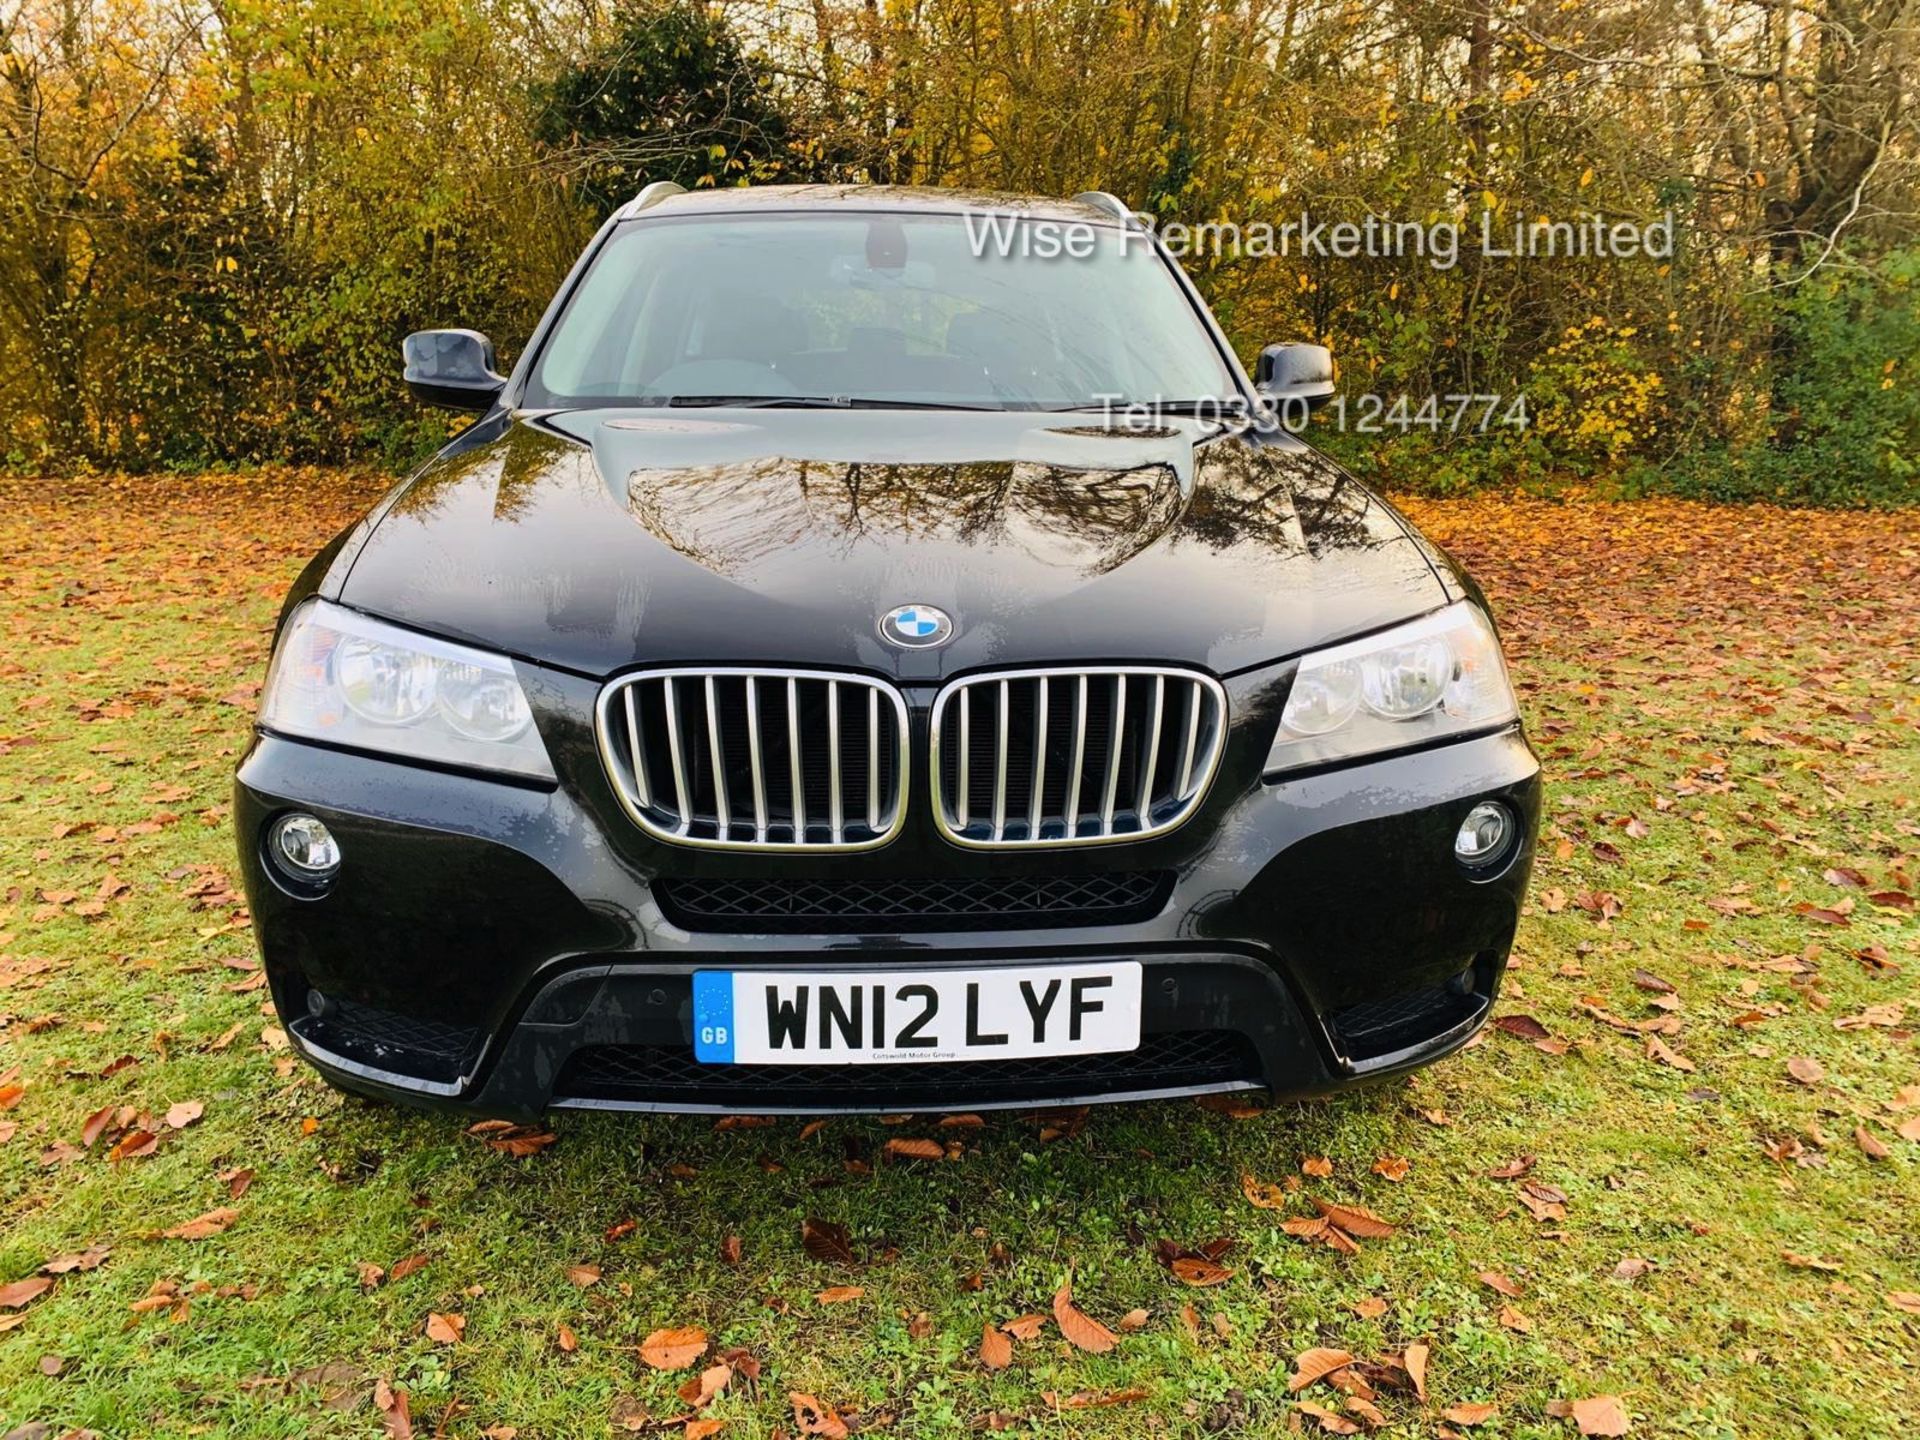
(879, 650)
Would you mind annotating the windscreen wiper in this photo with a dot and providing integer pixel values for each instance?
(808, 402)
(1230, 407)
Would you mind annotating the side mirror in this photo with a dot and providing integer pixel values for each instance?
(1295, 374)
(452, 369)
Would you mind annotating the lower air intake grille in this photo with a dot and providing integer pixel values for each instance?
(1381, 1027)
(386, 1040)
(660, 1074)
(851, 907)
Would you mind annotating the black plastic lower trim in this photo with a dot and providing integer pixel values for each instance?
(661, 1074)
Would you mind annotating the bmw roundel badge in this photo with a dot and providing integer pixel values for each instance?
(916, 627)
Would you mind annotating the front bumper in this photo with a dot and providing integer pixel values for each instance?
(502, 949)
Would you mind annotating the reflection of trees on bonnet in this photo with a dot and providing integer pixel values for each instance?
(1281, 499)
(523, 462)
(1087, 519)
(731, 517)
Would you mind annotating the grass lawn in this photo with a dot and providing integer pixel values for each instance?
(1718, 1220)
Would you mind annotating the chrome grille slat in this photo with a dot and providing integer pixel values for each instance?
(834, 811)
(1150, 757)
(796, 771)
(1115, 743)
(634, 755)
(873, 760)
(1000, 765)
(681, 803)
(1071, 805)
(1038, 794)
(706, 728)
(753, 758)
(963, 789)
(1125, 752)
(1193, 736)
(721, 808)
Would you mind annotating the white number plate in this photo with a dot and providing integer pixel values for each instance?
(880, 1017)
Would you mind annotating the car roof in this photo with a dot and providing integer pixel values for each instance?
(735, 199)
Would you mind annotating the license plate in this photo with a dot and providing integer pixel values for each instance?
(882, 1017)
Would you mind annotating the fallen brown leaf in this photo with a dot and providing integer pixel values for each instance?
(826, 1240)
(136, 1144)
(22, 1292)
(445, 1329)
(903, 1147)
(184, 1113)
(395, 1414)
(1082, 1331)
(1806, 1070)
(1525, 1026)
(1025, 1327)
(1370, 1413)
(815, 1417)
(1356, 1220)
(95, 1124)
(1601, 1415)
(522, 1141)
(1658, 1049)
(92, 1258)
(1331, 1421)
(1494, 1280)
(1809, 1262)
(202, 1227)
(1263, 1194)
(1871, 1145)
(700, 1390)
(1197, 1270)
(1414, 1357)
(1312, 1365)
(1470, 1414)
(674, 1348)
(996, 1350)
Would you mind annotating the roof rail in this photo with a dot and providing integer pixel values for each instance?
(652, 194)
(1103, 200)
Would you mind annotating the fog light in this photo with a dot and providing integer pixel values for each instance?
(304, 846)
(1484, 835)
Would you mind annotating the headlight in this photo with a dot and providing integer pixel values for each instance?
(353, 681)
(1439, 676)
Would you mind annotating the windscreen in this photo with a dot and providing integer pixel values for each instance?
(935, 309)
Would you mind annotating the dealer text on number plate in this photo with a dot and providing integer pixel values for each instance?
(866, 1017)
